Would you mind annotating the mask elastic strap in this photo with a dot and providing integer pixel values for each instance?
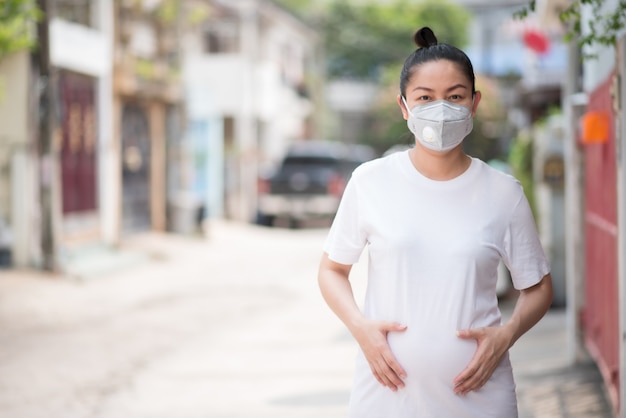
(406, 105)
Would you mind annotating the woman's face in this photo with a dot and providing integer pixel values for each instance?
(439, 80)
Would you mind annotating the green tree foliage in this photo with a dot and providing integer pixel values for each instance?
(521, 162)
(305, 9)
(369, 40)
(388, 127)
(603, 27)
(362, 37)
(17, 30)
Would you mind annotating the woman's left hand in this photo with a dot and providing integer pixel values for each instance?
(493, 343)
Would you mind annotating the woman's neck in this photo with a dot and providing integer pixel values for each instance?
(440, 166)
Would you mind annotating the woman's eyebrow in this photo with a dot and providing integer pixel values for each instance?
(456, 86)
(422, 88)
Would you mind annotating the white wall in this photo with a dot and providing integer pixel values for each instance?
(221, 76)
(79, 48)
(109, 196)
(17, 192)
(14, 70)
(351, 95)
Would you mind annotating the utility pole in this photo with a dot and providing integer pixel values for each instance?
(574, 102)
(620, 139)
(46, 127)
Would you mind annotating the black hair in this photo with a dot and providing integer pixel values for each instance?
(428, 49)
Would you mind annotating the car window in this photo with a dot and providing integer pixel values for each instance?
(296, 162)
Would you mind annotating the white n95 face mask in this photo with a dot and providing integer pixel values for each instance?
(440, 125)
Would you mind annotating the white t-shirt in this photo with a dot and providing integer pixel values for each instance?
(434, 249)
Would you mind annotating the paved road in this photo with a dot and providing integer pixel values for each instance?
(231, 326)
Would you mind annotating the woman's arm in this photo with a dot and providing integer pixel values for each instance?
(493, 342)
(531, 306)
(333, 279)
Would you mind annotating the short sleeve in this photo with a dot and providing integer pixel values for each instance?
(346, 239)
(523, 252)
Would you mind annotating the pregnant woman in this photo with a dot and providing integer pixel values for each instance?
(436, 223)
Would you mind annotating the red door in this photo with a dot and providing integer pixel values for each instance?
(601, 309)
(79, 143)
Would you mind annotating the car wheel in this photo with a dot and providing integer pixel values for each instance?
(265, 220)
(295, 223)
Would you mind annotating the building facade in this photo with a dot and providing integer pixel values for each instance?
(602, 140)
(18, 186)
(596, 207)
(251, 75)
(80, 55)
(166, 112)
(148, 100)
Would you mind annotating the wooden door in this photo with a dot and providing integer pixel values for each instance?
(135, 169)
(79, 143)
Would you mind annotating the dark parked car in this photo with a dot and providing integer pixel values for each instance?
(310, 181)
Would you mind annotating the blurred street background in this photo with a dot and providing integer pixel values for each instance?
(169, 168)
(229, 326)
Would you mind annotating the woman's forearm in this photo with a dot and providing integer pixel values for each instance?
(531, 306)
(337, 292)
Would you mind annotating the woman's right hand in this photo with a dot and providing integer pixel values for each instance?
(372, 337)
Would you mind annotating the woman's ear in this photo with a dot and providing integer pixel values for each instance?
(405, 111)
(477, 97)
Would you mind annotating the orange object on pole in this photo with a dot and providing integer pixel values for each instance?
(595, 127)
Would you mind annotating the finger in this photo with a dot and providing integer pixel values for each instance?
(475, 381)
(465, 375)
(382, 372)
(377, 374)
(391, 375)
(399, 327)
(466, 385)
(381, 379)
(469, 334)
(386, 377)
(394, 327)
(472, 368)
(470, 385)
(394, 366)
(394, 379)
(390, 383)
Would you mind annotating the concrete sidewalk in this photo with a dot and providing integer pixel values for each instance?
(549, 387)
(178, 298)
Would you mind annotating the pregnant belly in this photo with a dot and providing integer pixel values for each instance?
(435, 357)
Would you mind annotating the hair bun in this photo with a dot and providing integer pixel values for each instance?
(425, 37)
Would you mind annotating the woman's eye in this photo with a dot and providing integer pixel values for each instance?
(423, 98)
(456, 97)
